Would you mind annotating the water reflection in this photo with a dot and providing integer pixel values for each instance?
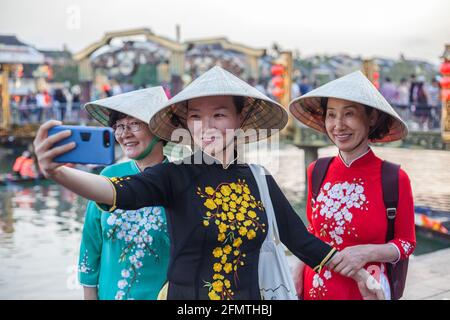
(40, 229)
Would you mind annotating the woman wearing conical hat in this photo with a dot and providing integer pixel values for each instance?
(348, 211)
(216, 219)
(124, 254)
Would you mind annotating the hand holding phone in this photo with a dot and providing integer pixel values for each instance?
(94, 145)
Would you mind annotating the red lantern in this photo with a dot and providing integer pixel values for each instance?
(19, 72)
(278, 92)
(277, 70)
(445, 68)
(445, 83)
(376, 76)
(445, 94)
(277, 81)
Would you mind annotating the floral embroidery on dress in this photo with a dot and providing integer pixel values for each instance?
(406, 246)
(117, 180)
(84, 264)
(319, 289)
(334, 203)
(231, 209)
(133, 228)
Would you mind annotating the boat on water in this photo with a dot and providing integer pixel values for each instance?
(434, 223)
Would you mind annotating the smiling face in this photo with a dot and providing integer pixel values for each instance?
(133, 143)
(212, 121)
(348, 124)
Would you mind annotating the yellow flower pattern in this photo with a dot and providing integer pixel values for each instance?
(117, 180)
(231, 209)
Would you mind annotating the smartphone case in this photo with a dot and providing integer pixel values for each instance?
(94, 145)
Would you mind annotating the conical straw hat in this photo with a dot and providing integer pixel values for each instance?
(260, 111)
(140, 104)
(353, 87)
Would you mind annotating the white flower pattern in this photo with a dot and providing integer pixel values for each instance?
(132, 227)
(335, 204)
(319, 289)
(406, 246)
(84, 266)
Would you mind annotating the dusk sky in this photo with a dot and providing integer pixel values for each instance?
(386, 28)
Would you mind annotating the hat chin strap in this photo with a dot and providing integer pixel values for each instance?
(147, 150)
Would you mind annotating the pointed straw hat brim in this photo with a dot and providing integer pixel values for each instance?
(260, 111)
(140, 104)
(353, 87)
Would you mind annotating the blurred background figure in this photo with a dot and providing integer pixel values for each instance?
(24, 166)
(389, 90)
(420, 105)
(59, 104)
(304, 86)
(434, 94)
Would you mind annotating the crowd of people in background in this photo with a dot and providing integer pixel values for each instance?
(300, 86)
(415, 99)
(65, 104)
(60, 103)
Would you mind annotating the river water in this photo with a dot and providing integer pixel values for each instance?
(40, 224)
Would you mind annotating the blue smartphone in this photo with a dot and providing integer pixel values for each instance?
(94, 145)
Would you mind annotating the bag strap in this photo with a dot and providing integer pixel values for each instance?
(389, 181)
(259, 173)
(318, 174)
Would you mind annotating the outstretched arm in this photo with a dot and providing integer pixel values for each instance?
(87, 185)
(293, 233)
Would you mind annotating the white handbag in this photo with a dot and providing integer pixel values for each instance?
(275, 278)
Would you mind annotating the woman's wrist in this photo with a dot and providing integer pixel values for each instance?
(52, 174)
(370, 253)
(387, 252)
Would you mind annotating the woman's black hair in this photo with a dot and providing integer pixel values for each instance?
(381, 127)
(115, 116)
(239, 103)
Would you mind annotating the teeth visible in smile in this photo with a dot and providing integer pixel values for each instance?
(131, 144)
(343, 135)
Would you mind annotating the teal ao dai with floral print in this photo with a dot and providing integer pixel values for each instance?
(125, 254)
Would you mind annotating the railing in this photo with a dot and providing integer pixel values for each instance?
(418, 118)
(32, 114)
